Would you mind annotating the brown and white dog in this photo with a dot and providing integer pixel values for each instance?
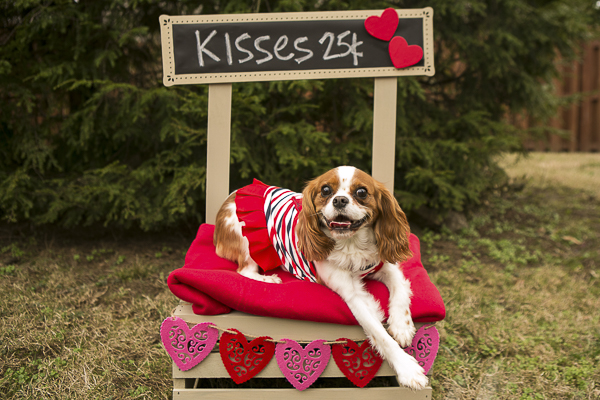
(348, 223)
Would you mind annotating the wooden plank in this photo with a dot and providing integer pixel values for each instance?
(394, 393)
(557, 121)
(585, 113)
(218, 143)
(595, 111)
(594, 124)
(178, 383)
(277, 328)
(572, 114)
(384, 130)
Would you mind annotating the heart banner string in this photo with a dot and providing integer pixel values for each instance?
(300, 365)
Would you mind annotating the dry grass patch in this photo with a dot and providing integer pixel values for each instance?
(82, 323)
(574, 170)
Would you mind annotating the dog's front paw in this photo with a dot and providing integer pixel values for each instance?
(413, 378)
(402, 330)
(271, 278)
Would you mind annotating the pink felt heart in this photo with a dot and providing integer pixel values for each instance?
(425, 346)
(187, 347)
(402, 54)
(302, 366)
(383, 27)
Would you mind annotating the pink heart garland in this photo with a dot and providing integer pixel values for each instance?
(425, 346)
(187, 347)
(402, 54)
(302, 366)
(383, 27)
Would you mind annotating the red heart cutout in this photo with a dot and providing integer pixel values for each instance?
(244, 360)
(383, 27)
(359, 364)
(402, 54)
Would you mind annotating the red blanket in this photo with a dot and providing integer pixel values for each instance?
(211, 284)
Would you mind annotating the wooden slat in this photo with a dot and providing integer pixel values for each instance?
(384, 131)
(572, 111)
(585, 111)
(595, 99)
(178, 383)
(556, 122)
(276, 328)
(218, 144)
(291, 394)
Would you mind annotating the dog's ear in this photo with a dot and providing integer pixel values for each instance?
(391, 228)
(313, 243)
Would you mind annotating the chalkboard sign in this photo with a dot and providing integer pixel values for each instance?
(315, 45)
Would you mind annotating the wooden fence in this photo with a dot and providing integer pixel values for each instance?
(581, 118)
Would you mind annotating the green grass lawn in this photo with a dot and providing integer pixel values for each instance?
(80, 316)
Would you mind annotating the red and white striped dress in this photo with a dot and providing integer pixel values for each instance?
(282, 207)
(270, 215)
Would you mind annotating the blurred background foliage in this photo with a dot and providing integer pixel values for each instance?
(89, 135)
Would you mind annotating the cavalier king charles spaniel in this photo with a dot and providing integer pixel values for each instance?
(344, 226)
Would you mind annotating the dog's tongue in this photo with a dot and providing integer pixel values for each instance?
(344, 224)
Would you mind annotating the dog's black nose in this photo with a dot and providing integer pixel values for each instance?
(340, 201)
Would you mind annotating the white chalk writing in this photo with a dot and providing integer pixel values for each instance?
(267, 51)
(202, 48)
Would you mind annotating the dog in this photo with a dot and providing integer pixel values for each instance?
(344, 226)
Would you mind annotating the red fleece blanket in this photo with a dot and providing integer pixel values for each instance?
(213, 286)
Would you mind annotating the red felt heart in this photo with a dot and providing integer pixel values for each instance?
(402, 54)
(244, 360)
(359, 364)
(383, 27)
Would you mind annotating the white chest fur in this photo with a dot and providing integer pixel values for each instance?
(356, 252)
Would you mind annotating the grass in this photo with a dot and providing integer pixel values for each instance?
(79, 317)
(577, 171)
(522, 291)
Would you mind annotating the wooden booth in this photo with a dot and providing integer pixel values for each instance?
(219, 50)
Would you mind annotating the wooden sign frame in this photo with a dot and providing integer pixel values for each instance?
(220, 89)
(168, 23)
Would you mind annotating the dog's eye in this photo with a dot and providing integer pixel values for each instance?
(326, 191)
(362, 193)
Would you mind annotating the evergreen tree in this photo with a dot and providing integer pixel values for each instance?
(88, 133)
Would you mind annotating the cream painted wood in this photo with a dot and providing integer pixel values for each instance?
(170, 79)
(218, 144)
(277, 328)
(384, 130)
(291, 394)
(178, 383)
